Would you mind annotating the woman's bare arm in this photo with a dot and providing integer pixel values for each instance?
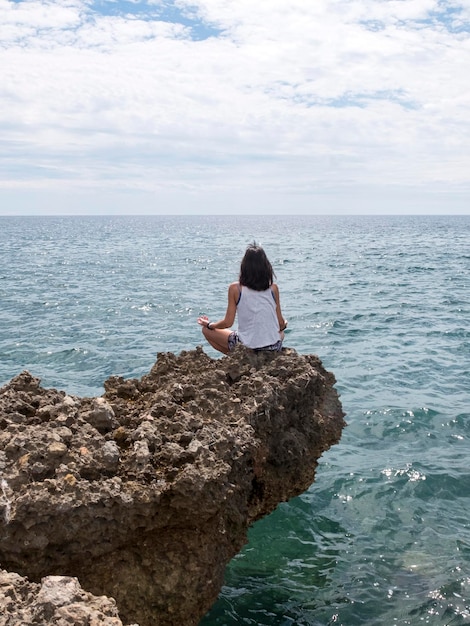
(280, 317)
(230, 313)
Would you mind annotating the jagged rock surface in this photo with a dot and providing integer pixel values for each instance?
(57, 601)
(146, 493)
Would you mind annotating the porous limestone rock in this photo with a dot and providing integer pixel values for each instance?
(145, 494)
(57, 601)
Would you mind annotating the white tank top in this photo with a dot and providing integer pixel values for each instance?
(258, 325)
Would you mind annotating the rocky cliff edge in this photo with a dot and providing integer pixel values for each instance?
(143, 495)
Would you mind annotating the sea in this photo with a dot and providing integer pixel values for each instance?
(382, 537)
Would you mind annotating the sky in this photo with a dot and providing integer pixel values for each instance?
(234, 107)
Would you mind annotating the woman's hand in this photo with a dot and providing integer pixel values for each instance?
(203, 320)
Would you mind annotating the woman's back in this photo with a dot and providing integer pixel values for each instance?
(258, 325)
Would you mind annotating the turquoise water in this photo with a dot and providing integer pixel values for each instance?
(383, 536)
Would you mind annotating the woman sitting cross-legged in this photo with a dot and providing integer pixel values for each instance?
(254, 299)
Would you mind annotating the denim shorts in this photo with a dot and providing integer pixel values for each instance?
(234, 339)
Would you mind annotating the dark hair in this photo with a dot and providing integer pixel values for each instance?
(256, 271)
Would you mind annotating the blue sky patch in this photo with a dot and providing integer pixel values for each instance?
(361, 100)
(373, 25)
(445, 16)
(165, 11)
(450, 18)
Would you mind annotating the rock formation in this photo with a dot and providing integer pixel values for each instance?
(145, 494)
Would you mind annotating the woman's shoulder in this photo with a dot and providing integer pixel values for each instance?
(234, 289)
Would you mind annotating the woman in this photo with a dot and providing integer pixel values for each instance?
(255, 299)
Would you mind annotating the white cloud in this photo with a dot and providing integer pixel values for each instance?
(288, 98)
